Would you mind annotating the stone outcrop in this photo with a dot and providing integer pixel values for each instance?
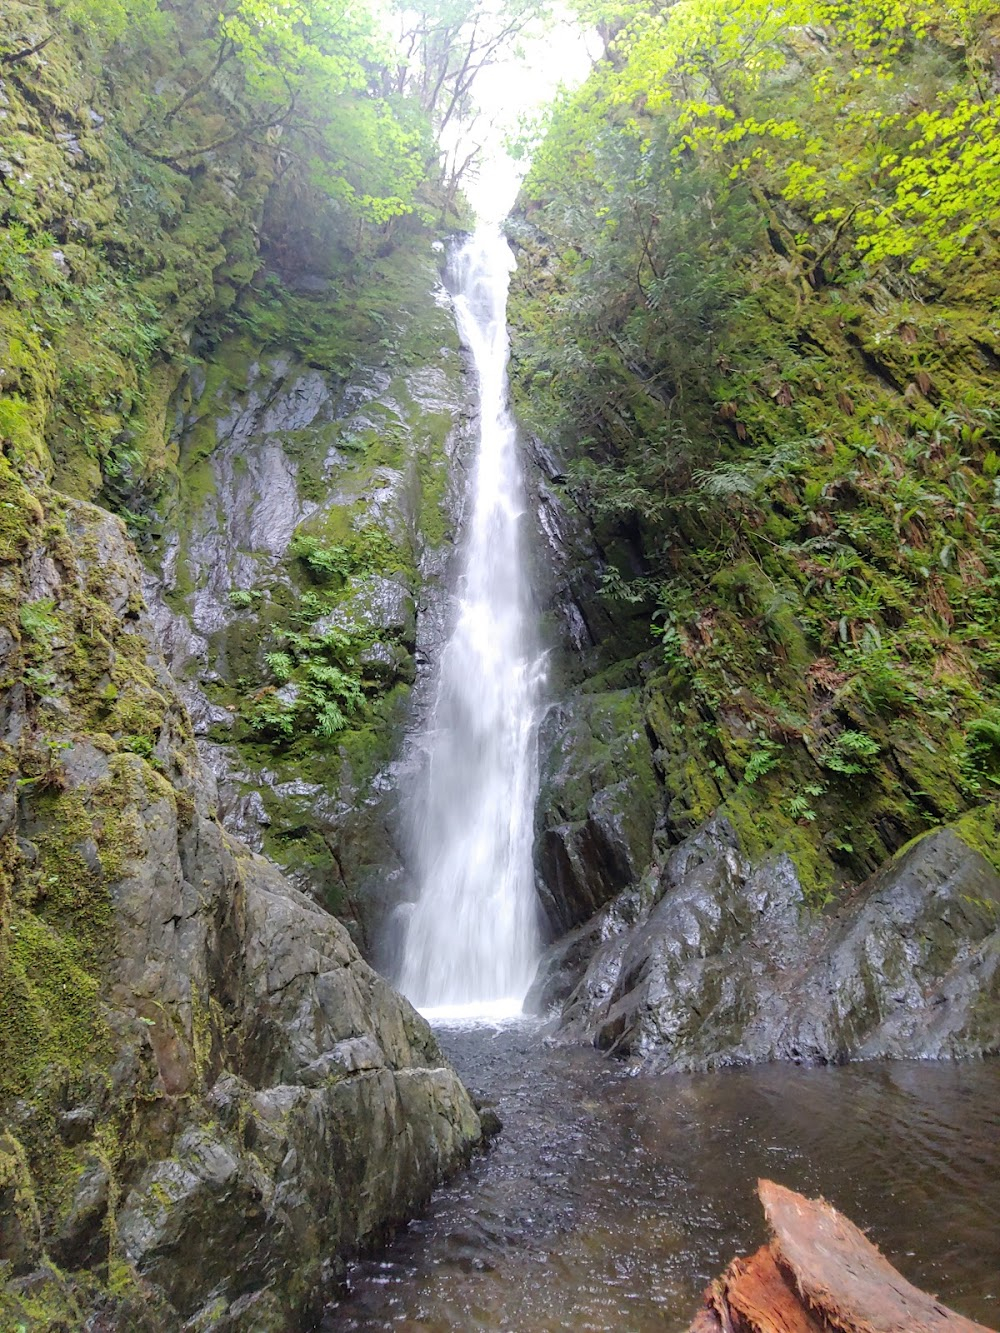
(207, 1096)
(696, 924)
(598, 804)
(274, 455)
(711, 960)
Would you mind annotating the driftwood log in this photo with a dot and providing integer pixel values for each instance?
(819, 1274)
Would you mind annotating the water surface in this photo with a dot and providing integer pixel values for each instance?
(609, 1201)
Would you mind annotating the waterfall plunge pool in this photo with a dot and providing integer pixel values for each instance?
(608, 1201)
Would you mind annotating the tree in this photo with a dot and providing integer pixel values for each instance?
(443, 46)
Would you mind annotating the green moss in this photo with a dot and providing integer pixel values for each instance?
(50, 1006)
(980, 828)
(764, 830)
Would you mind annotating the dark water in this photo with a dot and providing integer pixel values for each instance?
(609, 1201)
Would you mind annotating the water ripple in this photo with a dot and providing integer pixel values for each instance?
(609, 1201)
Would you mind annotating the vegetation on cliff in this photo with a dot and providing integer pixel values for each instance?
(167, 174)
(192, 196)
(149, 156)
(756, 304)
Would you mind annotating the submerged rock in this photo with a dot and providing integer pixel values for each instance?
(715, 961)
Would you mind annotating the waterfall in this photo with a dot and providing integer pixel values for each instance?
(471, 939)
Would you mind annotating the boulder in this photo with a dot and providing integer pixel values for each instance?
(208, 1098)
(716, 961)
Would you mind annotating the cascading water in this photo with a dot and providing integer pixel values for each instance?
(471, 939)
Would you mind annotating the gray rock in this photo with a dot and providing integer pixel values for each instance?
(244, 814)
(237, 536)
(378, 604)
(723, 962)
(260, 1102)
(299, 405)
(80, 1240)
(347, 1057)
(386, 661)
(597, 805)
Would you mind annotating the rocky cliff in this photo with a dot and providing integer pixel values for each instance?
(713, 961)
(765, 450)
(307, 564)
(217, 354)
(207, 1094)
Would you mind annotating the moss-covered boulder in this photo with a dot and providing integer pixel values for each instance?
(207, 1098)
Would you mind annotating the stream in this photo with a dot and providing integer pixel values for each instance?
(609, 1201)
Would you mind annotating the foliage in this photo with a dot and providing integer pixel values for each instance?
(321, 685)
(323, 562)
(39, 622)
(982, 749)
(259, 133)
(764, 758)
(754, 313)
(718, 69)
(851, 753)
(442, 47)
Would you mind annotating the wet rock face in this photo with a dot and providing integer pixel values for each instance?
(272, 453)
(204, 1089)
(713, 961)
(598, 804)
(585, 629)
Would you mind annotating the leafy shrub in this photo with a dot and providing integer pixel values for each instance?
(280, 665)
(271, 716)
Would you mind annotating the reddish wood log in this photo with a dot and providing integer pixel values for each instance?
(819, 1274)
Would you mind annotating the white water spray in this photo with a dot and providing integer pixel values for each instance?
(472, 938)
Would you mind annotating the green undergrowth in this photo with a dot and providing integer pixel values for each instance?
(146, 214)
(792, 433)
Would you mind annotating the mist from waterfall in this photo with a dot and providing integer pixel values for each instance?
(471, 938)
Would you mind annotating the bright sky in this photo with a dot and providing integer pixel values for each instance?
(508, 91)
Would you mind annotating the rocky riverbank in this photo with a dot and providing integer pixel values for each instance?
(208, 1096)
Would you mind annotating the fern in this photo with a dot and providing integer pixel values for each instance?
(280, 665)
(852, 752)
(765, 757)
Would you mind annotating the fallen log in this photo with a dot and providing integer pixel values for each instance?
(818, 1274)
